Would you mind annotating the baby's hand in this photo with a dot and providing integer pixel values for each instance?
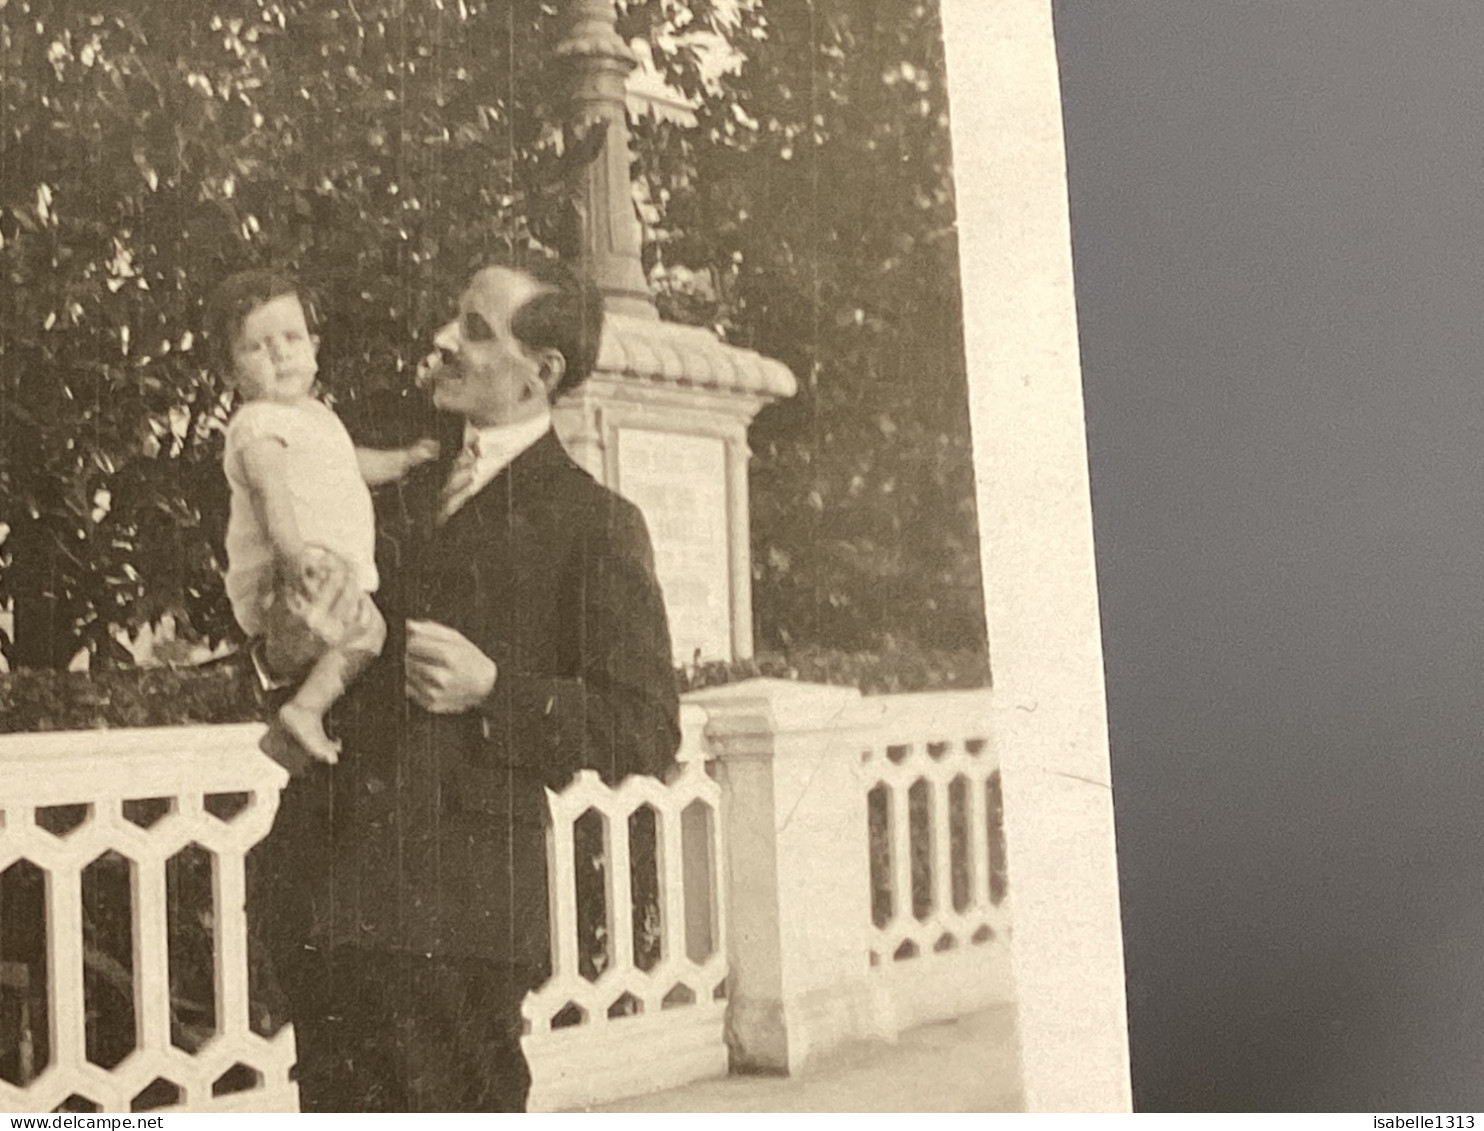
(386, 465)
(424, 451)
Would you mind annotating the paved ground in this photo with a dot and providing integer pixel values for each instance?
(971, 1064)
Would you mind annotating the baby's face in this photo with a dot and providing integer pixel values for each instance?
(274, 356)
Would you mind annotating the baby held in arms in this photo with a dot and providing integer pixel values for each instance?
(301, 517)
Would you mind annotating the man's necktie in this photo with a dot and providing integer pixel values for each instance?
(460, 481)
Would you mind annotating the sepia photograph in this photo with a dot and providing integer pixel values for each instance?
(633, 556)
(493, 616)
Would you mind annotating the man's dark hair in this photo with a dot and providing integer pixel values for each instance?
(237, 297)
(567, 317)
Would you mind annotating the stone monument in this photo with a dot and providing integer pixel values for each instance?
(663, 419)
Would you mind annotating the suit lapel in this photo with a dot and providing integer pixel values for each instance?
(489, 543)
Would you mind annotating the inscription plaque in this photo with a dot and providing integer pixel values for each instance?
(680, 483)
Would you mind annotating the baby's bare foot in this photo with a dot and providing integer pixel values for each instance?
(308, 729)
(285, 749)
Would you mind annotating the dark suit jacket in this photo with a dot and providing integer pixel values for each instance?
(429, 835)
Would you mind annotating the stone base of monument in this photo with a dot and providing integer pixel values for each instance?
(663, 420)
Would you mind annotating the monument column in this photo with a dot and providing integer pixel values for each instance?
(599, 63)
(663, 419)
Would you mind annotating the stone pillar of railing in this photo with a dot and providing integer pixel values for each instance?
(794, 812)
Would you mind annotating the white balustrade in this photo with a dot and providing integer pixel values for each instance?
(851, 918)
(940, 916)
(819, 868)
(628, 1011)
(97, 823)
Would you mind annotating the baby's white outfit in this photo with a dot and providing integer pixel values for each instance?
(331, 503)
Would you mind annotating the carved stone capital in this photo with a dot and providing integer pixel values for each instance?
(594, 35)
(669, 354)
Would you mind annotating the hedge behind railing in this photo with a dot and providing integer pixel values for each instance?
(222, 691)
(217, 692)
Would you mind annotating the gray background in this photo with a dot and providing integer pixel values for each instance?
(1278, 228)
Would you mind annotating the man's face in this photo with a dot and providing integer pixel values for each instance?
(486, 375)
(274, 356)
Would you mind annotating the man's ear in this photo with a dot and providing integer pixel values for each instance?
(553, 367)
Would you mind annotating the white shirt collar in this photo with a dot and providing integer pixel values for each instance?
(501, 443)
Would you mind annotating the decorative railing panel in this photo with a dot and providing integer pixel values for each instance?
(123, 943)
(637, 997)
(110, 999)
(935, 833)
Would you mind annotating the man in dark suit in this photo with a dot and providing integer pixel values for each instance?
(527, 640)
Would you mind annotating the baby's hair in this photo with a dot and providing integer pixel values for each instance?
(238, 296)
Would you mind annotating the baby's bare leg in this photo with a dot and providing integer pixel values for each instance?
(304, 714)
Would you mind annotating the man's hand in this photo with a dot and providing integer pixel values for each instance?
(446, 673)
(314, 609)
(321, 589)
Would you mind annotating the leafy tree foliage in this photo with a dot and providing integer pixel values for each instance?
(380, 148)
(817, 188)
(384, 148)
